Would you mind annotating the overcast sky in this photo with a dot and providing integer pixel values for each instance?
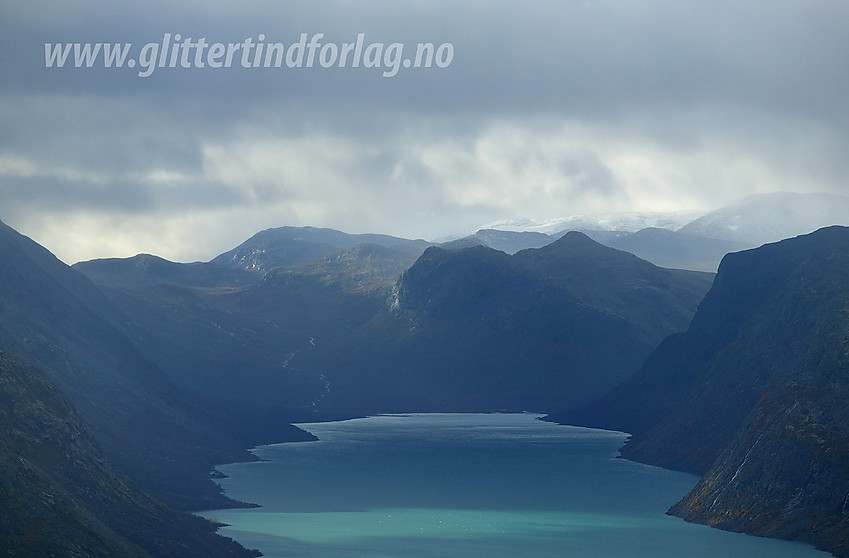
(547, 109)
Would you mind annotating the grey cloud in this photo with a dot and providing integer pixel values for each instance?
(707, 100)
(588, 173)
(123, 196)
(99, 134)
(53, 194)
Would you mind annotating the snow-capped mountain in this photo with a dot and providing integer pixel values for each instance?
(686, 239)
(621, 222)
(766, 218)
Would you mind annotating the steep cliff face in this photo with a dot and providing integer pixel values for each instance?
(773, 314)
(786, 471)
(786, 474)
(753, 395)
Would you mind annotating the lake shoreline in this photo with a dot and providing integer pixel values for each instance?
(321, 487)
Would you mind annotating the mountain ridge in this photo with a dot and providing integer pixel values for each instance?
(316, 333)
(292, 246)
(752, 396)
(457, 313)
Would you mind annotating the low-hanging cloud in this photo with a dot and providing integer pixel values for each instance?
(547, 109)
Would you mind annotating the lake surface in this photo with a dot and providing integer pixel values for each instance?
(467, 485)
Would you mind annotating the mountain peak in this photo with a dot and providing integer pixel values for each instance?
(764, 218)
(576, 252)
(291, 246)
(576, 238)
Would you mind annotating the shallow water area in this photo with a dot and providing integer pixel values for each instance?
(467, 485)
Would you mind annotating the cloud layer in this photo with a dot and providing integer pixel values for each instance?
(547, 109)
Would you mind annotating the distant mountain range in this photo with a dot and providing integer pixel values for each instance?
(378, 328)
(682, 240)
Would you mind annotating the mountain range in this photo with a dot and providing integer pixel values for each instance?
(377, 329)
(477, 329)
(138, 375)
(684, 240)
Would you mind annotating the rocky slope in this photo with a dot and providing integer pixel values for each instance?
(53, 318)
(60, 496)
(752, 395)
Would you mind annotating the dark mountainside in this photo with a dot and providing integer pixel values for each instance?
(54, 319)
(461, 330)
(753, 396)
(476, 329)
(246, 347)
(59, 495)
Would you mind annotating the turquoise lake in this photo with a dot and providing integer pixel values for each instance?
(467, 485)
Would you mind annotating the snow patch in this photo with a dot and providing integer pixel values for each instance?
(624, 222)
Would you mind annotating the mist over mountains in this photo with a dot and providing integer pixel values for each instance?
(685, 240)
(766, 218)
(624, 222)
(154, 371)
